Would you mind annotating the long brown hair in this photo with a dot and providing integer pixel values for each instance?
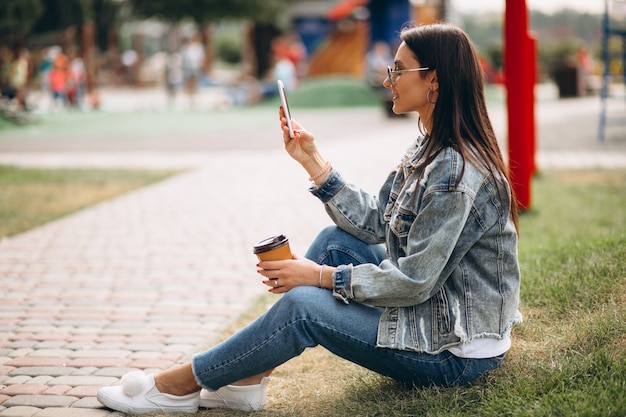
(460, 118)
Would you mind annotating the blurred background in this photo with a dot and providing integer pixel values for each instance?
(61, 54)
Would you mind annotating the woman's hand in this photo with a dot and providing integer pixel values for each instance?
(282, 276)
(302, 147)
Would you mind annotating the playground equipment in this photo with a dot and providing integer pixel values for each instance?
(613, 55)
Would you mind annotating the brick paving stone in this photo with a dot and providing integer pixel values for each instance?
(107, 337)
(6, 370)
(150, 347)
(85, 371)
(146, 355)
(40, 401)
(99, 354)
(21, 352)
(43, 370)
(51, 336)
(20, 336)
(57, 390)
(23, 389)
(98, 362)
(177, 348)
(75, 381)
(174, 356)
(88, 402)
(182, 340)
(40, 379)
(20, 411)
(93, 345)
(19, 379)
(151, 363)
(50, 345)
(81, 338)
(27, 361)
(77, 412)
(114, 372)
(84, 391)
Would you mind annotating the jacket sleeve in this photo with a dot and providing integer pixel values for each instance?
(432, 255)
(352, 209)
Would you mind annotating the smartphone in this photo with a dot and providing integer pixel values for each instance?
(283, 98)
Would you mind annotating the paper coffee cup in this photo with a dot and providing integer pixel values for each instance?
(273, 248)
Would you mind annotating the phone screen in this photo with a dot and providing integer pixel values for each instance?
(283, 98)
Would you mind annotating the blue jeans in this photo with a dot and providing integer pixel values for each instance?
(309, 316)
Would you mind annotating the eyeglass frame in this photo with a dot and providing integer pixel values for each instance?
(391, 72)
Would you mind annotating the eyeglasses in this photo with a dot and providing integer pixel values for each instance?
(391, 73)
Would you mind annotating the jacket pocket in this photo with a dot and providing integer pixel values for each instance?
(442, 311)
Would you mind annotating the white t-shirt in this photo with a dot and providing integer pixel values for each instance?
(486, 347)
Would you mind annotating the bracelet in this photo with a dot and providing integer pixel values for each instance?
(322, 172)
(321, 269)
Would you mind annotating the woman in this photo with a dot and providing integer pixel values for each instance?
(435, 307)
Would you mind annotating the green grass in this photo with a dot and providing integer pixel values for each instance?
(329, 92)
(569, 355)
(32, 197)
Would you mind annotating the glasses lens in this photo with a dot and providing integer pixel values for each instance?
(390, 75)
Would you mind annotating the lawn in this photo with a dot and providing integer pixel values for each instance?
(32, 197)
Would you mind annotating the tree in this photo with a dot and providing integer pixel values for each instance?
(77, 23)
(16, 19)
(61, 14)
(263, 14)
(204, 11)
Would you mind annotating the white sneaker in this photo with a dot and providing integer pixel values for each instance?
(244, 397)
(137, 394)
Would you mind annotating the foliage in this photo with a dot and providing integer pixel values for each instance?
(229, 49)
(61, 14)
(333, 91)
(557, 55)
(23, 18)
(203, 11)
(18, 15)
(106, 14)
(567, 23)
(558, 36)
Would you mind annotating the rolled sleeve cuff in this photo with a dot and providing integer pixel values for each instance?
(329, 188)
(342, 283)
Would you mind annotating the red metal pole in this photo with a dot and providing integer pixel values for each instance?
(532, 70)
(520, 74)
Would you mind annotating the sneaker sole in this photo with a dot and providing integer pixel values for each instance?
(232, 405)
(124, 408)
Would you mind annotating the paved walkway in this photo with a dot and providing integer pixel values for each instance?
(144, 280)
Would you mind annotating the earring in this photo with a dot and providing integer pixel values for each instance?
(428, 97)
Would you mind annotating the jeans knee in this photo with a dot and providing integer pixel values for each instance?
(299, 296)
(318, 251)
(299, 301)
(328, 232)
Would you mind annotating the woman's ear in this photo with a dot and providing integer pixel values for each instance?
(434, 81)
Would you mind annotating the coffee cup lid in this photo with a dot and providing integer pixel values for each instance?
(270, 243)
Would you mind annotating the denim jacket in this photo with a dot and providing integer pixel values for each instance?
(452, 273)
